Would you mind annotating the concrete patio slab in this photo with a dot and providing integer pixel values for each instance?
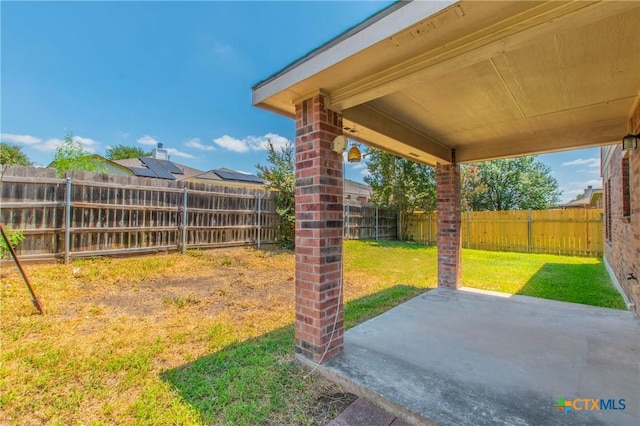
(469, 357)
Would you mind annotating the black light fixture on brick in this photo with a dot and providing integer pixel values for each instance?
(630, 142)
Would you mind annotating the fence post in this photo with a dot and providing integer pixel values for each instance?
(468, 229)
(185, 221)
(347, 223)
(259, 217)
(529, 231)
(67, 223)
(377, 231)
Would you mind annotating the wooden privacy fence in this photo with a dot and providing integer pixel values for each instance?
(95, 214)
(575, 232)
(366, 221)
(86, 214)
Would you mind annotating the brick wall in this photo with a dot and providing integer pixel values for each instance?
(449, 225)
(622, 250)
(319, 222)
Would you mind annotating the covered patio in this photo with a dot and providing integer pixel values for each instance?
(444, 83)
(471, 357)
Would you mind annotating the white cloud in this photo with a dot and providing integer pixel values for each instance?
(251, 143)
(50, 145)
(365, 172)
(589, 162)
(21, 139)
(176, 153)
(277, 141)
(231, 144)
(572, 189)
(195, 143)
(359, 166)
(147, 140)
(88, 143)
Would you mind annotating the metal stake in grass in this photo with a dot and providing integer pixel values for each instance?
(34, 298)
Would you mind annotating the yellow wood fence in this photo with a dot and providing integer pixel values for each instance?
(575, 232)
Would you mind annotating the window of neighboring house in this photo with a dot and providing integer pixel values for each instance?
(626, 191)
(607, 217)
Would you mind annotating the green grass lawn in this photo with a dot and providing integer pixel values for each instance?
(564, 278)
(207, 337)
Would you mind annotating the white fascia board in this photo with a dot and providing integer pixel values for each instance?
(386, 27)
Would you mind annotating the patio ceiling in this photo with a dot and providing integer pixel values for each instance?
(488, 79)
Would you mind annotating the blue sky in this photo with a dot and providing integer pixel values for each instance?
(180, 73)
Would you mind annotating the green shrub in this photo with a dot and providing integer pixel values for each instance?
(15, 238)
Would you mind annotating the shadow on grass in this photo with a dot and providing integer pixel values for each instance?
(258, 381)
(588, 284)
(405, 245)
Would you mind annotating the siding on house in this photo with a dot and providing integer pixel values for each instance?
(621, 182)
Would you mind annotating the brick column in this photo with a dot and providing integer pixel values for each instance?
(449, 225)
(319, 218)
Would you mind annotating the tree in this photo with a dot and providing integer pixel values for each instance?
(122, 152)
(71, 155)
(509, 184)
(280, 177)
(400, 183)
(471, 186)
(12, 155)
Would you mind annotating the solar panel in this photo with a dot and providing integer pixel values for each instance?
(172, 168)
(140, 171)
(250, 178)
(157, 168)
(241, 177)
(225, 175)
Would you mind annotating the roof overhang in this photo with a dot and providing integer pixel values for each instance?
(437, 81)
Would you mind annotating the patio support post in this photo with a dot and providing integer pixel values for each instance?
(319, 232)
(449, 225)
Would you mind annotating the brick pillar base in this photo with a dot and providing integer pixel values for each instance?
(319, 224)
(449, 224)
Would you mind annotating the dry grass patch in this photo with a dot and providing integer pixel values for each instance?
(164, 339)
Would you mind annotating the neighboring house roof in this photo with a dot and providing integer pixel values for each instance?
(162, 169)
(590, 198)
(165, 169)
(232, 175)
(356, 189)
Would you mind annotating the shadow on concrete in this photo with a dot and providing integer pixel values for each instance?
(587, 284)
(245, 382)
